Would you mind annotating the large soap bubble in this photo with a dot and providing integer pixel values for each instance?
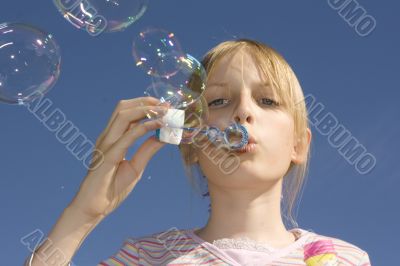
(157, 52)
(29, 62)
(178, 78)
(189, 81)
(184, 87)
(97, 16)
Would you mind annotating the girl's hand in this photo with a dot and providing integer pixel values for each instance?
(107, 186)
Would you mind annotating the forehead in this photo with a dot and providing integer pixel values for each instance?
(236, 65)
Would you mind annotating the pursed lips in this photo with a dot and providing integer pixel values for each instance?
(250, 146)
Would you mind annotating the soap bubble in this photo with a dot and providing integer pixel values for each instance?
(157, 52)
(184, 87)
(189, 79)
(178, 79)
(29, 62)
(97, 16)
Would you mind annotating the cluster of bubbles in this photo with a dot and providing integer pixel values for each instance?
(177, 77)
(30, 58)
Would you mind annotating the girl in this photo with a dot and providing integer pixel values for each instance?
(248, 83)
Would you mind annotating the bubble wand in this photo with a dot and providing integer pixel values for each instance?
(173, 129)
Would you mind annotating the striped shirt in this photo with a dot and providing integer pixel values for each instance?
(184, 247)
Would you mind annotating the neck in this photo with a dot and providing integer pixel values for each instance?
(246, 213)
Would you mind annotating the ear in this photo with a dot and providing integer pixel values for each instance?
(301, 147)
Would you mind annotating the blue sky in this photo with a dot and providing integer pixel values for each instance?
(354, 77)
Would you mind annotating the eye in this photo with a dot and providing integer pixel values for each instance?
(217, 102)
(270, 102)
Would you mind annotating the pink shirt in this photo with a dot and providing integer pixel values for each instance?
(184, 247)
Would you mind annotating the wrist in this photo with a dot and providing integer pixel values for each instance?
(74, 211)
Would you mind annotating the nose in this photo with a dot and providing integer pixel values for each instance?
(244, 104)
(243, 113)
(240, 117)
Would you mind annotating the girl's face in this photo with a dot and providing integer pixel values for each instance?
(237, 92)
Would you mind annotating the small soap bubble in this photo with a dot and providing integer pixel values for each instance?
(29, 63)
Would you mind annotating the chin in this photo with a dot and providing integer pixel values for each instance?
(249, 169)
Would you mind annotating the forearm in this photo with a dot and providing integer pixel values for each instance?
(65, 238)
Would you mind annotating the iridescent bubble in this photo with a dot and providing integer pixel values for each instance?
(29, 63)
(157, 52)
(184, 87)
(189, 80)
(97, 16)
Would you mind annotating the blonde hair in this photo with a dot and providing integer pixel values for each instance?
(288, 93)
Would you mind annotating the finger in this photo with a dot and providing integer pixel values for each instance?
(145, 152)
(125, 104)
(118, 150)
(123, 121)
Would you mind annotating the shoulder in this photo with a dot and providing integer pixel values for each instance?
(320, 248)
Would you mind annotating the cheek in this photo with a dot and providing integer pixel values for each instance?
(277, 136)
(209, 163)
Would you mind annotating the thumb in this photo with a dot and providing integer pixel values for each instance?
(144, 153)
